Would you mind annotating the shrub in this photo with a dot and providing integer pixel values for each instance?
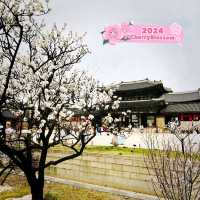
(50, 196)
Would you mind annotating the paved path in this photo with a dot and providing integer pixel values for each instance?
(5, 188)
(135, 195)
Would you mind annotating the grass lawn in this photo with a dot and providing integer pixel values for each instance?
(115, 150)
(104, 150)
(60, 191)
(19, 185)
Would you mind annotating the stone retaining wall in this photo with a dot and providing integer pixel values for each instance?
(123, 172)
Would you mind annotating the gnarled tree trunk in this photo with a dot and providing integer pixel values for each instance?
(36, 185)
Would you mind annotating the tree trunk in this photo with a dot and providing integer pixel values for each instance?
(37, 191)
(36, 185)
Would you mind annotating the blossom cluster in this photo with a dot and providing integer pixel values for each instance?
(44, 86)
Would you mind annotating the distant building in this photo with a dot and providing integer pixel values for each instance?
(183, 105)
(150, 104)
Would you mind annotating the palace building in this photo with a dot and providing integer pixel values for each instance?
(146, 104)
(149, 104)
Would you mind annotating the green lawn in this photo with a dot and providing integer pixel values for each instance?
(104, 150)
(114, 150)
(123, 151)
(60, 191)
(18, 189)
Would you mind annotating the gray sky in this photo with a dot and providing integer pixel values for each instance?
(177, 66)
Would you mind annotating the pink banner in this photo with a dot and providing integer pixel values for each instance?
(143, 33)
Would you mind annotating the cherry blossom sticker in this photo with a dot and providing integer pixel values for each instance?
(143, 33)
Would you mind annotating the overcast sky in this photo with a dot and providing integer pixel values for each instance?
(177, 66)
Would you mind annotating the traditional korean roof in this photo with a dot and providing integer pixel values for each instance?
(152, 96)
(182, 108)
(182, 96)
(139, 85)
(152, 105)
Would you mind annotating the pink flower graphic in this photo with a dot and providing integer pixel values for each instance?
(113, 34)
(127, 30)
(176, 29)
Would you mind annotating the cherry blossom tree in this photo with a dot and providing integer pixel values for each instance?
(39, 85)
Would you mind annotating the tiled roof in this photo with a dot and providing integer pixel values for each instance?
(182, 108)
(182, 96)
(135, 85)
(144, 101)
(153, 105)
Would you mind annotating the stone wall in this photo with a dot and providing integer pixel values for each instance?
(123, 172)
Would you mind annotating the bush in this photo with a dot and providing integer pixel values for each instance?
(50, 196)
